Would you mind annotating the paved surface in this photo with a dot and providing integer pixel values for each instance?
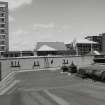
(54, 88)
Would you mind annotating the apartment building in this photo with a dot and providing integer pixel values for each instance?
(4, 37)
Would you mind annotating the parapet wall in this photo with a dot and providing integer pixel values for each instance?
(34, 63)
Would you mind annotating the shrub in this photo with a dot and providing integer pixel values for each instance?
(103, 76)
(65, 68)
(73, 68)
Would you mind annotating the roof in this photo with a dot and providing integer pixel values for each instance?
(85, 41)
(46, 48)
(50, 46)
(93, 53)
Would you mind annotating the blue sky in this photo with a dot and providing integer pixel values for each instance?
(31, 21)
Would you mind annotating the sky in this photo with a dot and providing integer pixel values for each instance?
(31, 21)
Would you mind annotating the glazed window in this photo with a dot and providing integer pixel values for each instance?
(2, 25)
(2, 36)
(2, 31)
(2, 47)
(2, 20)
(2, 42)
(2, 14)
(2, 8)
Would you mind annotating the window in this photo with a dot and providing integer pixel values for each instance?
(2, 8)
(2, 42)
(2, 20)
(2, 14)
(2, 48)
(2, 25)
(2, 31)
(2, 36)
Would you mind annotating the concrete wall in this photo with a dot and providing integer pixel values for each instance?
(28, 63)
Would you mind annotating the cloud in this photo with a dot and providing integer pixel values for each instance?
(52, 26)
(45, 26)
(25, 39)
(13, 4)
(21, 40)
(65, 27)
(19, 32)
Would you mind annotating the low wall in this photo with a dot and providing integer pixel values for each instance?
(33, 63)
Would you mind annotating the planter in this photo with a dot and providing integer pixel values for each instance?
(103, 76)
(65, 68)
(72, 68)
(96, 74)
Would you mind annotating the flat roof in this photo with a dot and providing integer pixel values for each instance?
(85, 41)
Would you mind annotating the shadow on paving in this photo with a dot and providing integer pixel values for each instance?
(70, 88)
(12, 99)
(41, 79)
(27, 98)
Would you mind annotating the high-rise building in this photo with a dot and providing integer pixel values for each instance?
(4, 39)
